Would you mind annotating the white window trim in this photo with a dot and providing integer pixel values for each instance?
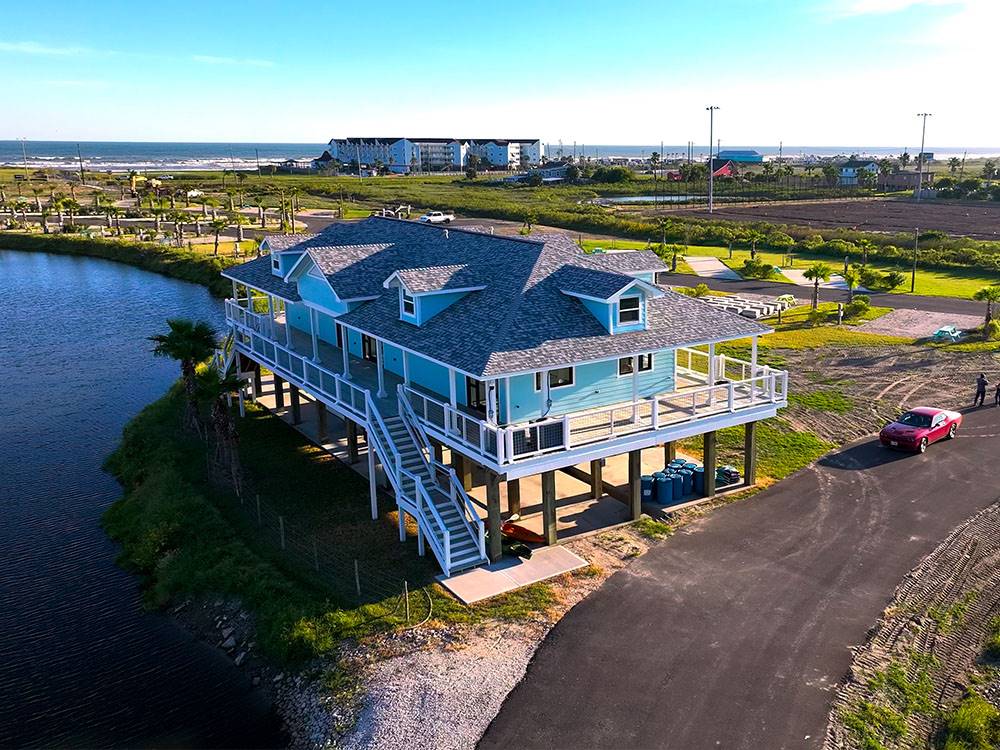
(652, 364)
(409, 317)
(639, 310)
(537, 380)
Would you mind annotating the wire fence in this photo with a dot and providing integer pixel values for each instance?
(396, 594)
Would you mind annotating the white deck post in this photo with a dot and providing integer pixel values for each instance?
(452, 398)
(406, 367)
(288, 328)
(506, 399)
(313, 325)
(345, 353)
(635, 388)
(711, 374)
(372, 489)
(753, 366)
(236, 294)
(379, 356)
(544, 392)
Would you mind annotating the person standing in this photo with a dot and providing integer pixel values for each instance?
(981, 384)
(996, 394)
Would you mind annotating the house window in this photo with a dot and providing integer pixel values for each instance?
(558, 378)
(275, 262)
(475, 394)
(628, 310)
(645, 364)
(369, 350)
(409, 307)
(340, 335)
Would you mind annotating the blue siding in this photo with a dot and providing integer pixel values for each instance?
(318, 292)
(595, 384)
(600, 310)
(298, 315)
(285, 261)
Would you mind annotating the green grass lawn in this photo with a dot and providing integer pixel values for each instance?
(613, 244)
(795, 331)
(187, 537)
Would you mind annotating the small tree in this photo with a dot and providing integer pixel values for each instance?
(816, 273)
(530, 217)
(753, 237)
(189, 343)
(471, 173)
(852, 277)
(218, 226)
(989, 295)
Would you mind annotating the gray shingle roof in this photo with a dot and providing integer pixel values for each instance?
(257, 273)
(521, 320)
(439, 278)
(592, 282)
(279, 242)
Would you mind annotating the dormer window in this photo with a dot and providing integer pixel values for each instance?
(629, 309)
(408, 306)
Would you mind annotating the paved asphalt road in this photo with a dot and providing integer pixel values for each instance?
(897, 301)
(735, 633)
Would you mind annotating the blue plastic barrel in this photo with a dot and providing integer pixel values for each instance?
(678, 482)
(647, 488)
(699, 480)
(687, 476)
(691, 465)
(664, 490)
(678, 463)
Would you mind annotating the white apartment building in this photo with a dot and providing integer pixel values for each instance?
(404, 155)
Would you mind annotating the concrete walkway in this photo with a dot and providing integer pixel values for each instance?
(711, 267)
(735, 632)
(797, 276)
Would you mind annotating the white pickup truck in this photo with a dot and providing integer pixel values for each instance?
(437, 217)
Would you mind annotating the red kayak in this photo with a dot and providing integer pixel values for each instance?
(521, 534)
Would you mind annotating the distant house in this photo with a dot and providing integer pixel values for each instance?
(925, 156)
(903, 180)
(849, 170)
(742, 156)
(322, 161)
(723, 168)
(296, 165)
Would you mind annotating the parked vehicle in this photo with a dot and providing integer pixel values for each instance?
(919, 427)
(437, 217)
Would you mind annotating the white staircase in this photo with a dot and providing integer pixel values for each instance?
(426, 489)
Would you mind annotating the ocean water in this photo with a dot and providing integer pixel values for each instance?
(159, 156)
(123, 156)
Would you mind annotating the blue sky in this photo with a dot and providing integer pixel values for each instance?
(830, 72)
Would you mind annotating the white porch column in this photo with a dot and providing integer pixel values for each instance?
(506, 399)
(711, 373)
(406, 367)
(379, 356)
(236, 294)
(345, 353)
(491, 401)
(635, 388)
(288, 326)
(452, 398)
(544, 376)
(313, 325)
(753, 366)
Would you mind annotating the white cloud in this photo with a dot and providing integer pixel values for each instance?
(35, 48)
(250, 61)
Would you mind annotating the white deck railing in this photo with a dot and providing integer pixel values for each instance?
(513, 443)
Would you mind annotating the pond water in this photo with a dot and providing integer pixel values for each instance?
(81, 662)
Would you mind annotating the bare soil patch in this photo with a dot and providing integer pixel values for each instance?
(980, 219)
(918, 323)
(929, 640)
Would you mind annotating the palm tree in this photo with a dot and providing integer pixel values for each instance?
(38, 198)
(865, 246)
(953, 164)
(753, 237)
(816, 273)
(43, 219)
(293, 203)
(218, 226)
(71, 207)
(989, 295)
(904, 159)
(214, 390)
(240, 179)
(852, 277)
(189, 343)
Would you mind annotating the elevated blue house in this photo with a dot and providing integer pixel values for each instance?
(519, 355)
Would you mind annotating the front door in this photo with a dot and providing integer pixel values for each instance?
(475, 394)
(369, 350)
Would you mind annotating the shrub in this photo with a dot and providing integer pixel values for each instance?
(701, 290)
(991, 331)
(816, 317)
(471, 173)
(992, 649)
(974, 725)
(612, 174)
(893, 279)
(756, 269)
(858, 306)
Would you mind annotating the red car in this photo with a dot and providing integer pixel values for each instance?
(919, 427)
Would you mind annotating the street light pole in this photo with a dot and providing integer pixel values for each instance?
(920, 156)
(711, 181)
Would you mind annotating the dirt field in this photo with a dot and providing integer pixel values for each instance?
(979, 219)
(933, 632)
(842, 394)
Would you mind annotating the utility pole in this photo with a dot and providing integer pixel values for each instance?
(79, 155)
(256, 153)
(913, 273)
(920, 156)
(711, 181)
(24, 155)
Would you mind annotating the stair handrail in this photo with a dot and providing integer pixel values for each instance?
(456, 492)
(421, 502)
(374, 418)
